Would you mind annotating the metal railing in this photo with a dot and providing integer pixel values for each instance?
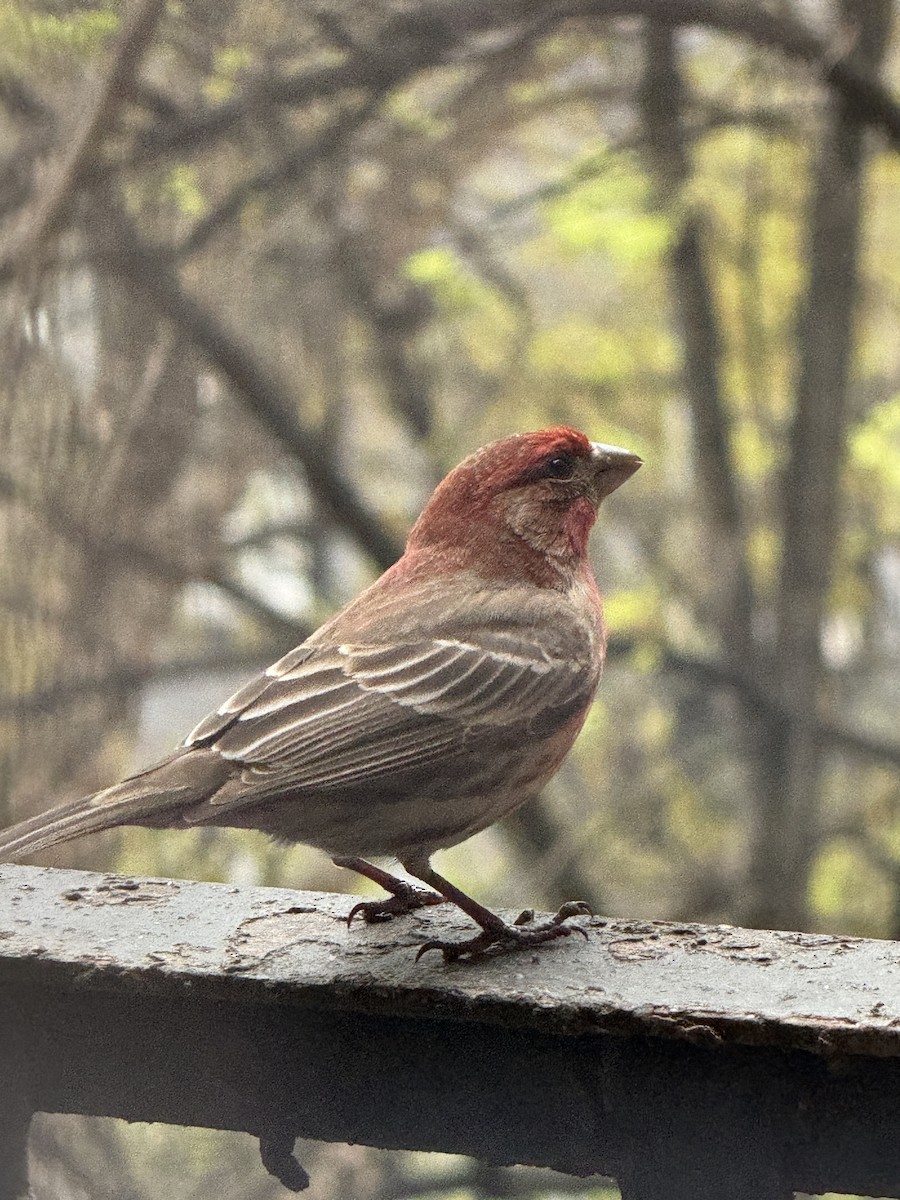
(681, 1060)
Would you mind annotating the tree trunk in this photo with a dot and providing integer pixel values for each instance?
(786, 838)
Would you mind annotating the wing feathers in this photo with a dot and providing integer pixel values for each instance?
(256, 738)
(336, 716)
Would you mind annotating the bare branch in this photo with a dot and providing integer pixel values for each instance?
(126, 677)
(131, 46)
(662, 101)
(786, 838)
(287, 170)
(411, 41)
(139, 557)
(265, 395)
(757, 697)
(711, 674)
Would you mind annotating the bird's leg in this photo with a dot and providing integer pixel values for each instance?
(405, 897)
(495, 934)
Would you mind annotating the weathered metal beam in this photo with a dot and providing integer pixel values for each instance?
(682, 1060)
(15, 1113)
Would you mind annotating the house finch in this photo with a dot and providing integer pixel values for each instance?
(439, 700)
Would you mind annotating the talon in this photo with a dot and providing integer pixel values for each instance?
(505, 938)
(450, 950)
(372, 912)
(375, 912)
(574, 908)
(525, 917)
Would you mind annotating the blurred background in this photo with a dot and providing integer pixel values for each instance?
(269, 270)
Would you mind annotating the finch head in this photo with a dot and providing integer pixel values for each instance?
(522, 507)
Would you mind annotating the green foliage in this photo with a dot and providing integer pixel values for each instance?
(880, 335)
(634, 610)
(578, 349)
(30, 36)
(408, 110)
(846, 892)
(182, 186)
(194, 854)
(606, 208)
(482, 316)
(567, 315)
(230, 62)
(757, 456)
(584, 351)
(446, 276)
(752, 191)
(696, 820)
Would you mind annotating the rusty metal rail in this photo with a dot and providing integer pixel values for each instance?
(682, 1060)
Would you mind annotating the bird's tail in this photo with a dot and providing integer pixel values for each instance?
(152, 797)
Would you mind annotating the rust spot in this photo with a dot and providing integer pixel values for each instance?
(631, 949)
(122, 891)
(260, 938)
(691, 1030)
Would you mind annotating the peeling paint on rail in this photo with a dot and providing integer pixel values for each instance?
(708, 985)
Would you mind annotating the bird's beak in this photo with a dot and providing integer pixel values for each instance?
(611, 467)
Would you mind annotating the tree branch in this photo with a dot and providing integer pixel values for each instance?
(412, 40)
(131, 46)
(786, 837)
(757, 697)
(139, 557)
(288, 169)
(662, 103)
(712, 674)
(265, 395)
(49, 699)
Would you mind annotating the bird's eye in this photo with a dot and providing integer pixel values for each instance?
(560, 466)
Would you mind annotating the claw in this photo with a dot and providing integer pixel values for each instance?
(574, 908)
(363, 907)
(455, 950)
(446, 949)
(374, 912)
(511, 937)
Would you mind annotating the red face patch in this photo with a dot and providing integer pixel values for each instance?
(578, 523)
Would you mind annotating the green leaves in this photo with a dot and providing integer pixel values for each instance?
(483, 318)
(182, 185)
(456, 289)
(30, 36)
(230, 62)
(606, 207)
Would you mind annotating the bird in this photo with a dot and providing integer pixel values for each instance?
(439, 700)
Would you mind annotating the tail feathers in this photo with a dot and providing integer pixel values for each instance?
(66, 822)
(153, 797)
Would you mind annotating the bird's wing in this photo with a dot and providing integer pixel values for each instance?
(333, 716)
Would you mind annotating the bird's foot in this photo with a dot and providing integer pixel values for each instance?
(504, 938)
(405, 898)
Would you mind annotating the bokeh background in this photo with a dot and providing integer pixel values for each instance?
(268, 270)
